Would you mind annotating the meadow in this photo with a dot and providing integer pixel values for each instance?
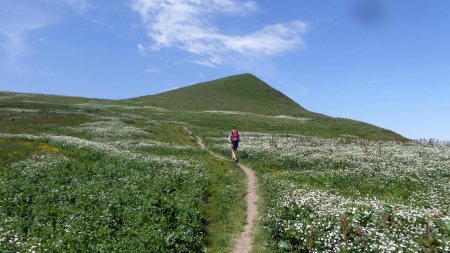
(105, 177)
(349, 194)
(83, 175)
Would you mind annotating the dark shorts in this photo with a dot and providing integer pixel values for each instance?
(234, 146)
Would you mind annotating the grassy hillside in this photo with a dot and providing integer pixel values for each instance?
(88, 175)
(247, 103)
(235, 93)
(96, 175)
(241, 101)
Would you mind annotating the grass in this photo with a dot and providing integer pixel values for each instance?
(39, 122)
(324, 127)
(173, 134)
(241, 101)
(101, 175)
(218, 104)
(14, 150)
(348, 195)
(236, 93)
(226, 207)
(97, 178)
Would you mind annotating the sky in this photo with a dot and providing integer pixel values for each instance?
(379, 61)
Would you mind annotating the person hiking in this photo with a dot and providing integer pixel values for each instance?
(233, 138)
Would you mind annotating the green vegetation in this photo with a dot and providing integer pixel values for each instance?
(83, 174)
(247, 101)
(103, 176)
(236, 93)
(349, 195)
(100, 203)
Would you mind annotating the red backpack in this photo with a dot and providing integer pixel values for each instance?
(235, 136)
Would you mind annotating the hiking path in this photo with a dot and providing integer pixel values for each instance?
(242, 243)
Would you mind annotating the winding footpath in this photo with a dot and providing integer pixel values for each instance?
(243, 241)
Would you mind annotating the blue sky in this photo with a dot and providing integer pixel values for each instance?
(379, 61)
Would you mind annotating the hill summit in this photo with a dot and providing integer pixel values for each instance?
(244, 92)
(241, 101)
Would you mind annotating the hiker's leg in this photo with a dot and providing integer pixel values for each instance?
(233, 154)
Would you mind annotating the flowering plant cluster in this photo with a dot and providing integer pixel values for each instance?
(99, 190)
(328, 195)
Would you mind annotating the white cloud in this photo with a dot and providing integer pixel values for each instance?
(187, 25)
(206, 63)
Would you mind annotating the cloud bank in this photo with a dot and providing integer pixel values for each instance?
(187, 25)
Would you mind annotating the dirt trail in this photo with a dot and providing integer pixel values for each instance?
(243, 241)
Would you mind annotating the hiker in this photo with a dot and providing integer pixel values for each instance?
(234, 140)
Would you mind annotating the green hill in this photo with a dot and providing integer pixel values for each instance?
(243, 92)
(241, 101)
(95, 175)
(263, 108)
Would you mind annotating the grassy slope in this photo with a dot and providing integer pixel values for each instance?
(244, 93)
(43, 98)
(235, 93)
(36, 114)
(321, 126)
(43, 114)
(247, 93)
